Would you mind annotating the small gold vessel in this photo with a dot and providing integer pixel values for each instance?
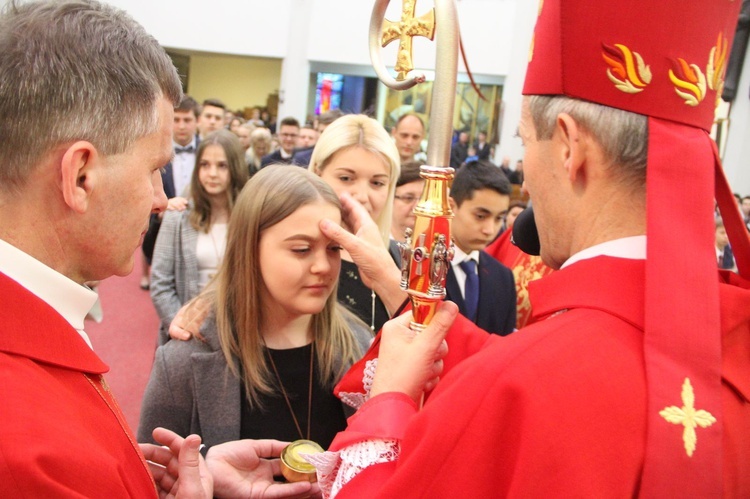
(293, 466)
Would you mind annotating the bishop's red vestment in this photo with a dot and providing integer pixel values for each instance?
(556, 409)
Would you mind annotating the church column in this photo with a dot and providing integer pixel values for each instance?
(525, 19)
(737, 152)
(295, 67)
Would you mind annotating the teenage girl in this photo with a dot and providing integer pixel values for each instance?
(277, 340)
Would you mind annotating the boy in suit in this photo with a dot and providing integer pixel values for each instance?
(482, 287)
(175, 176)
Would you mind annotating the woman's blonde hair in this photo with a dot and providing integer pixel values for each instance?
(358, 130)
(269, 197)
(200, 215)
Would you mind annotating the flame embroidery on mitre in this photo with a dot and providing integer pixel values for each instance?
(531, 47)
(691, 84)
(717, 63)
(626, 69)
(533, 35)
(717, 66)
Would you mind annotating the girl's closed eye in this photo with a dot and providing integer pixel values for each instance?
(301, 249)
(336, 248)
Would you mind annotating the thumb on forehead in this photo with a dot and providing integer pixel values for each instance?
(334, 231)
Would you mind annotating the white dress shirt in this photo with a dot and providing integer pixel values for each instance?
(70, 299)
(182, 168)
(633, 247)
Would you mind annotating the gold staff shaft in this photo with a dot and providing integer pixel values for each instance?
(427, 253)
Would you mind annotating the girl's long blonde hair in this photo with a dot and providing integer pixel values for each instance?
(268, 198)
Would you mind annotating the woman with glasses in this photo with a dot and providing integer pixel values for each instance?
(408, 189)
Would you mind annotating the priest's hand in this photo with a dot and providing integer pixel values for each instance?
(178, 469)
(411, 363)
(245, 468)
(365, 246)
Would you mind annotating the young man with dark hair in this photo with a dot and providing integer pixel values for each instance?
(175, 176)
(288, 133)
(211, 117)
(482, 287)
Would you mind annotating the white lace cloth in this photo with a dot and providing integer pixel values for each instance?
(355, 399)
(336, 469)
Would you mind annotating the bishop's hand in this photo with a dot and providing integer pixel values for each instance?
(411, 362)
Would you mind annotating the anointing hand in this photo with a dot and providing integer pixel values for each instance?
(365, 246)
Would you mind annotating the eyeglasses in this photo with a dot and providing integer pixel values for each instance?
(407, 199)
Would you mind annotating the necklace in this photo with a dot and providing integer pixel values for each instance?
(286, 397)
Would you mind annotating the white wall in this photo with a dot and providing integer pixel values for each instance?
(737, 153)
(337, 34)
(241, 27)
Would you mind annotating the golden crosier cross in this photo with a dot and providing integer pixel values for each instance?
(404, 30)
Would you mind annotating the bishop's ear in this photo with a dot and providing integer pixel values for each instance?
(574, 144)
(77, 169)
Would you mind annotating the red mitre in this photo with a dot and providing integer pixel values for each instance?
(665, 59)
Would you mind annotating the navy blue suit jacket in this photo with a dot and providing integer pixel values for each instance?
(496, 312)
(275, 159)
(167, 181)
(302, 157)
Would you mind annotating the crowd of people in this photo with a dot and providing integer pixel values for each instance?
(271, 256)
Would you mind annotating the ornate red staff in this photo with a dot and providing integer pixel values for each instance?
(428, 249)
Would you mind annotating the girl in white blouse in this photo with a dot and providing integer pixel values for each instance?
(191, 243)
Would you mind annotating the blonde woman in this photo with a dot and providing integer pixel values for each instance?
(276, 341)
(355, 155)
(260, 145)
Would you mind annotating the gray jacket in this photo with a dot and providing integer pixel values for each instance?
(191, 389)
(174, 269)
